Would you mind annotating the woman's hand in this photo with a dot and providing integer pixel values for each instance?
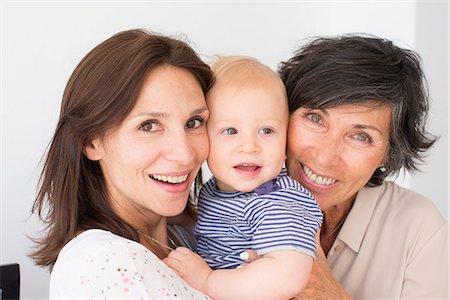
(322, 284)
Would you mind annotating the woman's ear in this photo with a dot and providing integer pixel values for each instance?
(94, 149)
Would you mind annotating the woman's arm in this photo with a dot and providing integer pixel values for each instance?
(276, 275)
(426, 275)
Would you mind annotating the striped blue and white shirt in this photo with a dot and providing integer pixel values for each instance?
(279, 215)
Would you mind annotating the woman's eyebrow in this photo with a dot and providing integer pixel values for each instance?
(364, 126)
(153, 114)
(156, 114)
(199, 110)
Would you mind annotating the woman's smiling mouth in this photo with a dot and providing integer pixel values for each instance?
(169, 179)
(316, 178)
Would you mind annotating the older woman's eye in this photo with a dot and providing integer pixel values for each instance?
(265, 130)
(363, 137)
(229, 131)
(149, 126)
(194, 123)
(313, 117)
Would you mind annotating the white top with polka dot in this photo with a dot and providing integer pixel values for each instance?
(98, 264)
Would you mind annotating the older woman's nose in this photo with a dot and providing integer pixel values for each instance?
(327, 151)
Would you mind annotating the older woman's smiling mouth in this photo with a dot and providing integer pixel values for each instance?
(316, 178)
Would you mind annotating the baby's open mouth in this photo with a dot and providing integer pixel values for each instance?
(247, 167)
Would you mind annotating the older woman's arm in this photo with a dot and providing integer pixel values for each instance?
(426, 276)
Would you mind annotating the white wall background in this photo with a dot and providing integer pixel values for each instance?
(41, 43)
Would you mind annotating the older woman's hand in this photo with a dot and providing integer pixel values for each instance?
(322, 284)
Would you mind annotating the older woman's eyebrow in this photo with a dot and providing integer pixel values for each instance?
(364, 126)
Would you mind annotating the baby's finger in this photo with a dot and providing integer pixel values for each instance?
(183, 250)
(172, 263)
(176, 254)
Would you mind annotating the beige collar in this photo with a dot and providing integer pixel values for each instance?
(355, 227)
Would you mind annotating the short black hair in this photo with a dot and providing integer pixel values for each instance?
(355, 69)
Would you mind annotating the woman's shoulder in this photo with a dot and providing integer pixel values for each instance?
(390, 214)
(402, 203)
(90, 241)
(99, 263)
(398, 195)
(86, 247)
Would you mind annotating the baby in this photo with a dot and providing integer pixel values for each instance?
(250, 202)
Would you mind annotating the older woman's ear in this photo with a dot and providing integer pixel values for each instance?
(94, 149)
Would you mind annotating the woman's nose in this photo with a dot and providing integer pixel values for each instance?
(327, 151)
(180, 148)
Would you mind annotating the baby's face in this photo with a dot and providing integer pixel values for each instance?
(247, 133)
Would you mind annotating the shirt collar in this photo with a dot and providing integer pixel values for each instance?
(358, 219)
(265, 188)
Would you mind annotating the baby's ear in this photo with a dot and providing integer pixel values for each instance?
(94, 149)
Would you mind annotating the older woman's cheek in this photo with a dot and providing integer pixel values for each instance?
(293, 148)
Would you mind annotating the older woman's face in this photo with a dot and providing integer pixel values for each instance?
(334, 152)
(151, 160)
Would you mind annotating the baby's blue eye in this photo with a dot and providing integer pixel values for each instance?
(229, 131)
(265, 130)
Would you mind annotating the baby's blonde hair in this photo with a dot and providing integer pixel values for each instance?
(239, 70)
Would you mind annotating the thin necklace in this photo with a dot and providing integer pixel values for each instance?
(338, 226)
(159, 242)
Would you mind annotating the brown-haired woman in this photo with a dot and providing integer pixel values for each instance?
(129, 144)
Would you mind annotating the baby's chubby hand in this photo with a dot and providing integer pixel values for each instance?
(189, 266)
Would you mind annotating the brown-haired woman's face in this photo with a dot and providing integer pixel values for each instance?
(151, 160)
(334, 152)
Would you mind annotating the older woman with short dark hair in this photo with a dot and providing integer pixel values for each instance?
(358, 108)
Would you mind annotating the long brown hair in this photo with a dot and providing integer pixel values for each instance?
(100, 93)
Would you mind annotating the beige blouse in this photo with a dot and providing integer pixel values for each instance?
(393, 245)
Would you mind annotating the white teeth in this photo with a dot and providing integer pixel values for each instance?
(170, 179)
(247, 165)
(318, 179)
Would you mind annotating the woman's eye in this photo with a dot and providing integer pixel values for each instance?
(229, 131)
(194, 123)
(363, 137)
(149, 126)
(265, 131)
(313, 117)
